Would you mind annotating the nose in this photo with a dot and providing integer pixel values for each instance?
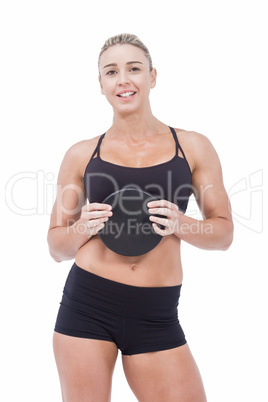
(123, 78)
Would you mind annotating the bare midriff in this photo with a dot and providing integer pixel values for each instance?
(159, 267)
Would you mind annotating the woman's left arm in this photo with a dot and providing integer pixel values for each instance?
(215, 231)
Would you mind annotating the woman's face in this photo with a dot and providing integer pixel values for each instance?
(125, 77)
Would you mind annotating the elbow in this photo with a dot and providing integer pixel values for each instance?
(226, 246)
(58, 254)
(52, 251)
(228, 237)
(54, 255)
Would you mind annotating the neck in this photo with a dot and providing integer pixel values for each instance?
(136, 126)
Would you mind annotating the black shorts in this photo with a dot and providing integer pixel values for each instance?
(137, 319)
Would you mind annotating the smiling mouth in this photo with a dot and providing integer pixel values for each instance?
(126, 94)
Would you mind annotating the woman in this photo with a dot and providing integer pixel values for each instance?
(112, 301)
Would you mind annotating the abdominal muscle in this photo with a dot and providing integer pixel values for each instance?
(159, 267)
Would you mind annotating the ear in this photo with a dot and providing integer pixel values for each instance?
(153, 78)
(102, 91)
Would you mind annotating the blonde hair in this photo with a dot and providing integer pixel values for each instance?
(129, 39)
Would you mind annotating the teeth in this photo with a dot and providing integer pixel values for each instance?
(126, 94)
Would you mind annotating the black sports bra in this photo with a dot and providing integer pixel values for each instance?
(171, 180)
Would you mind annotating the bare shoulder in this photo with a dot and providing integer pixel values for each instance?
(197, 147)
(80, 152)
(193, 139)
(77, 157)
(80, 148)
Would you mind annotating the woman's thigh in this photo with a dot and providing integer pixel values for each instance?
(169, 375)
(85, 368)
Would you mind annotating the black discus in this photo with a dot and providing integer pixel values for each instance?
(129, 231)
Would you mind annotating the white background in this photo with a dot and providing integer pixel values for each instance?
(212, 67)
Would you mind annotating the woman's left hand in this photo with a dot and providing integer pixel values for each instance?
(171, 216)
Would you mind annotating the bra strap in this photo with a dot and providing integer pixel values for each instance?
(97, 149)
(177, 142)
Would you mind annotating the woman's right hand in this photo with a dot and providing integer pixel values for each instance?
(73, 222)
(92, 218)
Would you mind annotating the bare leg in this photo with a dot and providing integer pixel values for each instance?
(169, 375)
(85, 368)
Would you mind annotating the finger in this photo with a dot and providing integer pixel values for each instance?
(160, 211)
(91, 216)
(161, 232)
(96, 222)
(97, 214)
(161, 203)
(96, 229)
(161, 221)
(94, 206)
(99, 227)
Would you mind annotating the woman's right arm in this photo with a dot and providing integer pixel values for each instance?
(73, 222)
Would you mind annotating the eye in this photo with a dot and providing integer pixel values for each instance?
(111, 72)
(135, 69)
